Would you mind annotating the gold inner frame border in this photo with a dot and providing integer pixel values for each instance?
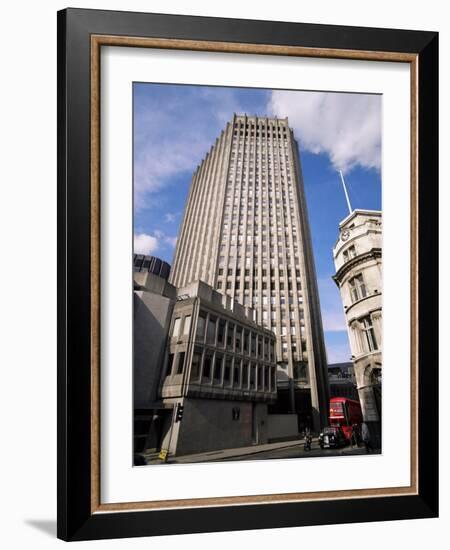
(97, 41)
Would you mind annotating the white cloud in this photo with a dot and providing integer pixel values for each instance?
(166, 239)
(173, 135)
(347, 127)
(145, 244)
(169, 217)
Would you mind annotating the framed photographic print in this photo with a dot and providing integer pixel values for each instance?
(247, 274)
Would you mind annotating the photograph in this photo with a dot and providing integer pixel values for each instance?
(256, 274)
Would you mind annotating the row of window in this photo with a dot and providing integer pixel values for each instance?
(276, 229)
(243, 185)
(238, 373)
(221, 369)
(271, 285)
(272, 260)
(256, 247)
(264, 272)
(253, 229)
(219, 332)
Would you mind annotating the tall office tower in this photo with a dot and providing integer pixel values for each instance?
(245, 232)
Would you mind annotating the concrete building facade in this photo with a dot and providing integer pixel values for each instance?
(245, 232)
(220, 367)
(358, 261)
(153, 302)
(152, 264)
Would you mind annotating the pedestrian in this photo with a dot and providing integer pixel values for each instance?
(365, 435)
(308, 440)
(353, 438)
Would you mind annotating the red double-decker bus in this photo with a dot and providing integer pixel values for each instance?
(347, 414)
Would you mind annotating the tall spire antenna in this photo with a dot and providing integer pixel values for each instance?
(346, 193)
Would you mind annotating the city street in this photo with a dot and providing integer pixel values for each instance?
(284, 449)
(297, 451)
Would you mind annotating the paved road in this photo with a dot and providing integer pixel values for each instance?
(299, 452)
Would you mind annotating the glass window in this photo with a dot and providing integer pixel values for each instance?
(246, 342)
(245, 376)
(267, 378)
(211, 332)
(187, 325)
(201, 324)
(170, 364)
(369, 333)
(253, 340)
(238, 339)
(218, 369)
(180, 364)
(266, 349)
(260, 377)
(207, 364)
(230, 336)
(227, 370)
(252, 376)
(357, 287)
(237, 373)
(176, 327)
(221, 333)
(196, 361)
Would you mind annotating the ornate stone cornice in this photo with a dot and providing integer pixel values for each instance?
(372, 254)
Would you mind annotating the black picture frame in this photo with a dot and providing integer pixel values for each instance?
(76, 520)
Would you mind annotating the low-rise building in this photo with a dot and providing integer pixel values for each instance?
(220, 367)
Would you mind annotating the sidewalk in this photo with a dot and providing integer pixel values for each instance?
(215, 456)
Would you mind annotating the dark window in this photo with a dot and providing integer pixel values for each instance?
(201, 324)
(253, 339)
(252, 376)
(245, 375)
(170, 364)
(196, 360)
(230, 335)
(237, 372)
(260, 377)
(221, 333)
(245, 338)
(180, 364)
(238, 339)
(227, 370)
(218, 368)
(207, 366)
(211, 332)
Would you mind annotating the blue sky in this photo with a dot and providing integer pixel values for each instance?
(175, 125)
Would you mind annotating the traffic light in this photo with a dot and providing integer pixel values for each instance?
(179, 413)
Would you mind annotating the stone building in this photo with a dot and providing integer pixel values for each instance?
(220, 368)
(358, 262)
(245, 232)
